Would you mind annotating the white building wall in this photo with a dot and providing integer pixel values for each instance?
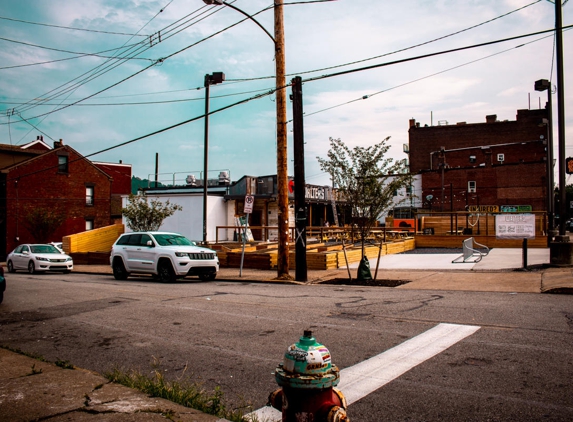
(189, 221)
(404, 200)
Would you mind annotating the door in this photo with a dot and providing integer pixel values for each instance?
(21, 257)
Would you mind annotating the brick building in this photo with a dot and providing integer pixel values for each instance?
(57, 180)
(495, 163)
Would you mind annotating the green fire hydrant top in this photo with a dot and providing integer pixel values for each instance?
(307, 364)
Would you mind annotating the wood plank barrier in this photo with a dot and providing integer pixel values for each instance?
(318, 257)
(97, 240)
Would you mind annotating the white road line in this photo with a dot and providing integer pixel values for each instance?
(365, 377)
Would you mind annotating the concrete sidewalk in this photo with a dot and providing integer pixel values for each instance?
(32, 390)
(501, 270)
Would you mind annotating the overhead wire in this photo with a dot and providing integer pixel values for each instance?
(402, 49)
(424, 56)
(367, 96)
(165, 129)
(308, 80)
(69, 27)
(94, 72)
(104, 70)
(59, 50)
(138, 72)
(160, 102)
(316, 70)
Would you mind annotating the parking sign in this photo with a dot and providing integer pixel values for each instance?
(249, 201)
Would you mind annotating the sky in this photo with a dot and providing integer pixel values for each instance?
(101, 74)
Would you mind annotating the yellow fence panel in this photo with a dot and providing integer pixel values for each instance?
(97, 240)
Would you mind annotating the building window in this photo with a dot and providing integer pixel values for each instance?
(472, 187)
(408, 190)
(89, 195)
(89, 224)
(62, 163)
(472, 158)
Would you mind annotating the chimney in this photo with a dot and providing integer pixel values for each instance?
(412, 122)
(59, 144)
(491, 118)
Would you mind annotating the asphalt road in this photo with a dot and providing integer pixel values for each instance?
(517, 366)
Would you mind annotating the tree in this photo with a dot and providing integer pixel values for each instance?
(43, 222)
(365, 180)
(147, 215)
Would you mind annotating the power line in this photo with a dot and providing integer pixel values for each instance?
(69, 27)
(424, 56)
(135, 74)
(109, 68)
(400, 50)
(364, 97)
(78, 54)
(244, 101)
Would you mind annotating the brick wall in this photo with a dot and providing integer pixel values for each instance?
(37, 183)
(472, 152)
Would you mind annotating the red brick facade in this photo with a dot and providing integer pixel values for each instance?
(45, 182)
(505, 161)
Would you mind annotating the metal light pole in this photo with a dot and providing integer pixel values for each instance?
(281, 112)
(542, 85)
(560, 114)
(214, 78)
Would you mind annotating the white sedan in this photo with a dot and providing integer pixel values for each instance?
(38, 257)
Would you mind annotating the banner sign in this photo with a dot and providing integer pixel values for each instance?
(515, 226)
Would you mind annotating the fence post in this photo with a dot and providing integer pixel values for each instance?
(524, 253)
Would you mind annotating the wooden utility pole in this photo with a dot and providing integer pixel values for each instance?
(282, 167)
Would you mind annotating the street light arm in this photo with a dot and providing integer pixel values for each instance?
(243, 13)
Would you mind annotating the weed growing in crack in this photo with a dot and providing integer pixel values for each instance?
(182, 391)
(35, 371)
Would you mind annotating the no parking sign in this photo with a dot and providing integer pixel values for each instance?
(249, 201)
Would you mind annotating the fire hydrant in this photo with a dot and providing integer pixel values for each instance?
(307, 378)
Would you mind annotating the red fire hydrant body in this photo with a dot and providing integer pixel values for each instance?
(307, 378)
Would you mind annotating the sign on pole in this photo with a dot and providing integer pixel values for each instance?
(249, 201)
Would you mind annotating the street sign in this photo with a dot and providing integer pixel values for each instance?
(249, 201)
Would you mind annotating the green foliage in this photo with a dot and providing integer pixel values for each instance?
(43, 222)
(182, 391)
(366, 180)
(143, 214)
(65, 364)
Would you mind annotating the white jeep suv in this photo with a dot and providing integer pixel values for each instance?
(168, 256)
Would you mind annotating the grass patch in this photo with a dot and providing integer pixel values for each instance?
(182, 391)
(65, 364)
(20, 352)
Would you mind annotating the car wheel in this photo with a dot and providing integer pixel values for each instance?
(119, 272)
(1, 296)
(10, 267)
(31, 267)
(165, 272)
(207, 276)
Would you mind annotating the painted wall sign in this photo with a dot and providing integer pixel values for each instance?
(483, 208)
(515, 226)
(315, 192)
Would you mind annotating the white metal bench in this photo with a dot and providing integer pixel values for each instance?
(470, 253)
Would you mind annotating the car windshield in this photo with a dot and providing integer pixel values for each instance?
(172, 239)
(44, 249)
